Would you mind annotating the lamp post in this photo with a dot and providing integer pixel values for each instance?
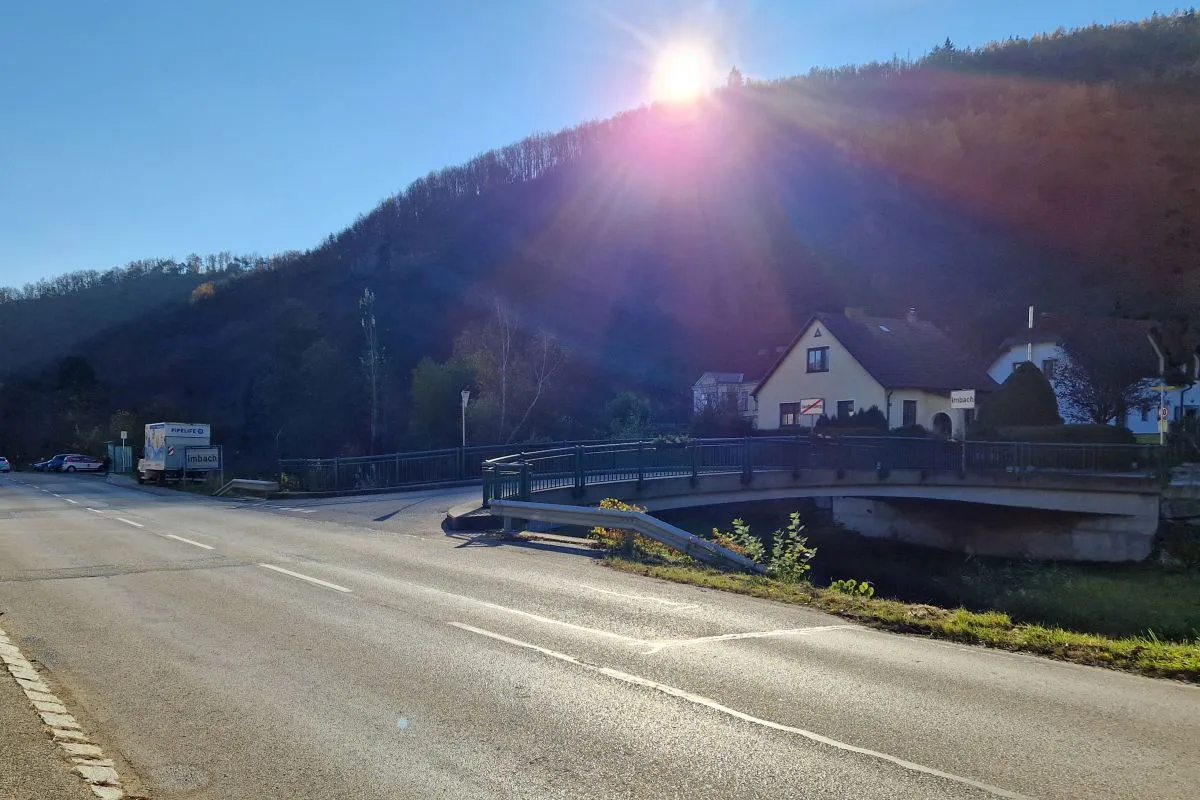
(466, 396)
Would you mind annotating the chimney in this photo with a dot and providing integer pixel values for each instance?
(911, 316)
(855, 312)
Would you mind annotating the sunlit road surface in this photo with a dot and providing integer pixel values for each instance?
(351, 649)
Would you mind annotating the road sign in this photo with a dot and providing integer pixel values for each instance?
(198, 459)
(962, 398)
(1163, 414)
(815, 407)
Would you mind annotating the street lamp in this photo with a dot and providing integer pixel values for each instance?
(466, 396)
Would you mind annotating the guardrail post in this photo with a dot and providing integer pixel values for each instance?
(524, 481)
(580, 477)
(641, 467)
(695, 462)
(747, 461)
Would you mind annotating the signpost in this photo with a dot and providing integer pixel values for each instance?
(963, 399)
(466, 397)
(812, 408)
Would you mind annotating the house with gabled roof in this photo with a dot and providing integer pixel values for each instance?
(721, 390)
(1046, 339)
(905, 367)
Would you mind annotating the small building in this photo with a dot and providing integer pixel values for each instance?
(905, 367)
(724, 390)
(1045, 342)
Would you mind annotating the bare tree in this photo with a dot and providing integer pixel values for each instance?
(1102, 378)
(544, 358)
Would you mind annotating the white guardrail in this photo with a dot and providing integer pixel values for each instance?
(676, 538)
(266, 487)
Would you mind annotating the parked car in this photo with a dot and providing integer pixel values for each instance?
(4, 465)
(40, 466)
(80, 463)
(54, 463)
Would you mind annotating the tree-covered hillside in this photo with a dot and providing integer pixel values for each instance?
(1061, 171)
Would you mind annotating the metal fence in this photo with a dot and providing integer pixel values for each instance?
(398, 470)
(518, 476)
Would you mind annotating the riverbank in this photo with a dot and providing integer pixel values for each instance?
(1144, 655)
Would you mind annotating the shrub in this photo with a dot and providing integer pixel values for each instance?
(633, 544)
(741, 541)
(914, 431)
(1067, 434)
(790, 552)
(869, 419)
(1025, 398)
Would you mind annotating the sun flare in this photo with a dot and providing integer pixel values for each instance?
(682, 74)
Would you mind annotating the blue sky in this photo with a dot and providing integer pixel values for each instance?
(143, 128)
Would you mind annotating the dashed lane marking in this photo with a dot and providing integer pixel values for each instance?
(72, 502)
(188, 541)
(683, 694)
(130, 522)
(308, 578)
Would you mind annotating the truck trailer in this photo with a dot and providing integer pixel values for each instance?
(166, 446)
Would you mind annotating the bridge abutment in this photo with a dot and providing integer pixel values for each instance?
(1001, 531)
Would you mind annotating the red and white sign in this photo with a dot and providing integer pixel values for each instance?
(812, 407)
(1162, 413)
(170, 450)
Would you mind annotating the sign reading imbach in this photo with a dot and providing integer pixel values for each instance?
(201, 459)
(962, 398)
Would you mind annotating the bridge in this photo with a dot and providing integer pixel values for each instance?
(1076, 501)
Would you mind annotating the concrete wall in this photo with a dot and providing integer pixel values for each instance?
(1016, 533)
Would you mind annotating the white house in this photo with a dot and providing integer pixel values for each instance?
(905, 367)
(1050, 334)
(715, 389)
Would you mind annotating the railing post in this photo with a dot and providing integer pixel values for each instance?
(695, 462)
(580, 476)
(747, 461)
(524, 481)
(641, 467)
(337, 473)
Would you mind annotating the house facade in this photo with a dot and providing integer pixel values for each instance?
(717, 389)
(905, 367)
(1047, 339)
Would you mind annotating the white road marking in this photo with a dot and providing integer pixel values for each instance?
(130, 522)
(642, 597)
(713, 705)
(187, 541)
(729, 637)
(56, 494)
(96, 511)
(72, 502)
(547, 620)
(308, 578)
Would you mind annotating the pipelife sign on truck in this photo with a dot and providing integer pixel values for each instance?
(166, 443)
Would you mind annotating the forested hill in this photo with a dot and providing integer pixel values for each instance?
(1060, 171)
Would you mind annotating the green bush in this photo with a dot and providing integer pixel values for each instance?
(1025, 398)
(871, 419)
(789, 554)
(1062, 434)
(914, 431)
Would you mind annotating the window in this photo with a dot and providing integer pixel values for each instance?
(910, 413)
(743, 401)
(789, 414)
(818, 359)
(845, 409)
(1050, 368)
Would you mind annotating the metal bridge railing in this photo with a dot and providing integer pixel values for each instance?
(518, 476)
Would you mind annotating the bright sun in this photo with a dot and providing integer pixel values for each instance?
(681, 74)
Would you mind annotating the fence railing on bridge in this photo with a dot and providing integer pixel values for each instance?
(397, 470)
(518, 476)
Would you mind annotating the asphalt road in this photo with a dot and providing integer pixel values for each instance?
(352, 649)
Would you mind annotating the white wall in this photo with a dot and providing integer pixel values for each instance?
(1002, 367)
(928, 406)
(791, 383)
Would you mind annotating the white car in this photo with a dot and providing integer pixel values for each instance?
(78, 463)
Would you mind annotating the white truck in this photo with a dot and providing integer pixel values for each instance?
(165, 449)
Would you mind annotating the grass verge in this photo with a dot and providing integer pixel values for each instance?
(1143, 655)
